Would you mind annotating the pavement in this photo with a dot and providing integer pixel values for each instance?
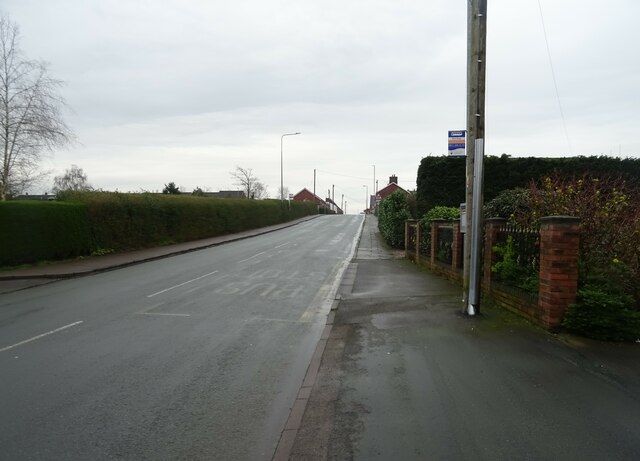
(401, 374)
(37, 274)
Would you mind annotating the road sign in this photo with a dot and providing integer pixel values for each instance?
(456, 142)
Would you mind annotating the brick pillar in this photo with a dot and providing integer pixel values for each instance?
(559, 249)
(407, 229)
(492, 226)
(406, 238)
(456, 248)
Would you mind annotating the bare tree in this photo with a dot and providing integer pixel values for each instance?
(249, 183)
(73, 179)
(30, 119)
(284, 193)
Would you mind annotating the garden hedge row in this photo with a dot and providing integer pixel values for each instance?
(441, 180)
(35, 231)
(81, 223)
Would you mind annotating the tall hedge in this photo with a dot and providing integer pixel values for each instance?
(128, 221)
(32, 231)
(392, 213)
(84, 222)
(441, 180)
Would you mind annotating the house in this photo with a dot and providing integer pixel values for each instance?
(385, 192)
(305, 195)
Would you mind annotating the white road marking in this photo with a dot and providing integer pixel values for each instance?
(41, 336)
(284, 244)
(181, 284)
(170, 314)
(254, 256)
(147, 309)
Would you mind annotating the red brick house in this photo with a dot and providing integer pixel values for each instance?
(305, 195)
(386, 191)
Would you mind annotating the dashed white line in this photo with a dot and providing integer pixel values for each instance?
(254, 256)
(181, 284)
(169, 314)
(284, 244)
(41, 336)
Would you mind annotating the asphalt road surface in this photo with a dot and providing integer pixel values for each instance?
(197, 356)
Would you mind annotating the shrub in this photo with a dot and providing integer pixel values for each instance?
(513, 269)
(511, 204)
(392, 213)
(604, 316)
(437, 212)
(609, 212)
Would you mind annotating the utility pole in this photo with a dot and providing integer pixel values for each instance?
(476, 67)
(375, 190)
(314, 182)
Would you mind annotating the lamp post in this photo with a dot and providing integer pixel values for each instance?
(375, 191)
(281, 165)
(366, 198)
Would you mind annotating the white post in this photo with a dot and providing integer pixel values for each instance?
(476, 230)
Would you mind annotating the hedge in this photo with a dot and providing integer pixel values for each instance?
(441, 180)
(392, 214)
(86, 222)
(32, 231)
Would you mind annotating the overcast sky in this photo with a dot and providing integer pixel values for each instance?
(186, 90)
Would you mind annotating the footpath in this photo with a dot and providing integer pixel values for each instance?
(24, 277)
(402, 374)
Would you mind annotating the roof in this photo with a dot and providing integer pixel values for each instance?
(388, 190)
(305, 195)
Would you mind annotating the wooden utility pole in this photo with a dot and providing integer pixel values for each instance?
(476, 65)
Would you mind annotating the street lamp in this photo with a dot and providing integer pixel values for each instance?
(366, 198)
(281, 168)
(375, 191)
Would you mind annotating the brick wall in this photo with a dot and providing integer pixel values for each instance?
(559, 249)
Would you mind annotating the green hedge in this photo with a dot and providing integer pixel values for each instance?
(128, 221)
(392, 213)
(32, 231)
(604, 316)
(441, 180)
(81, 223)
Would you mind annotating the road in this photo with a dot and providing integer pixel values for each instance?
(197, 356)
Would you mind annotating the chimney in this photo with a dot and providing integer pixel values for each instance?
(393, 179)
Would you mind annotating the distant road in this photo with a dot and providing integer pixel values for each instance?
(197, 356)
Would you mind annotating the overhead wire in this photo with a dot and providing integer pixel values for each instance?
(553, 74)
